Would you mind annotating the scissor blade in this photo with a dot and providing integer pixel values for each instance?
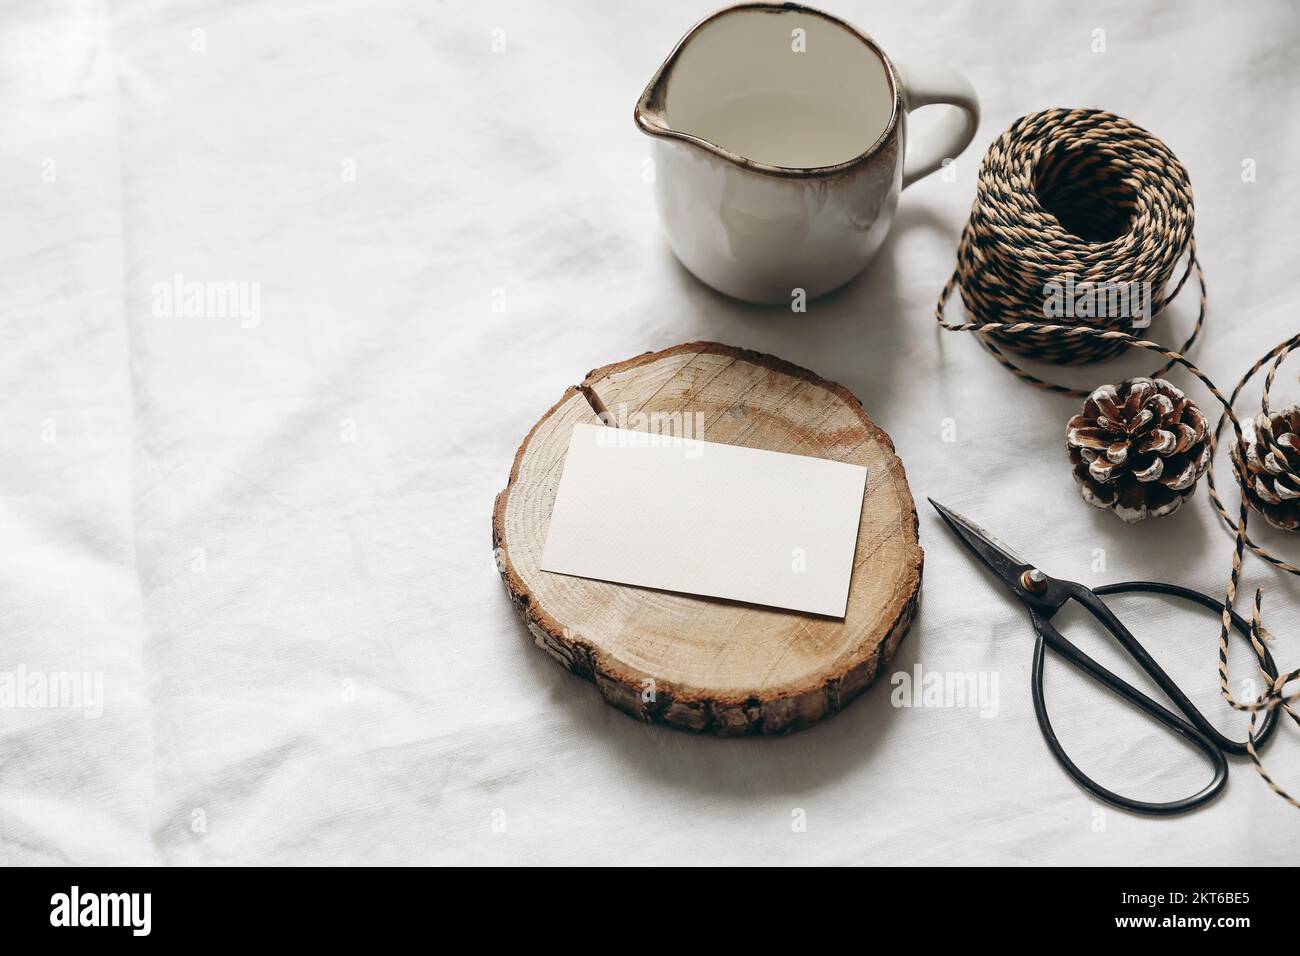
(1000, 559)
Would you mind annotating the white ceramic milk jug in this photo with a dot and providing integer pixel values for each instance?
(781, 147)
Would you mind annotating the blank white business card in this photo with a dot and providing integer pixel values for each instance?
(700, 517)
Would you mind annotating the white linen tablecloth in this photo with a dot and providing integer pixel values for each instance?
(268, 532)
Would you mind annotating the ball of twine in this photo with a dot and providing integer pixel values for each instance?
(1081, 197)
(1086, 193)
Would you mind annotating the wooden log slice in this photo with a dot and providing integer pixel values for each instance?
(699, 663)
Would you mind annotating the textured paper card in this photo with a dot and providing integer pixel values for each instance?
(701, 517)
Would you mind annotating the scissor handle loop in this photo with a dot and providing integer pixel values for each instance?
(1191, 725)
(1239, 624)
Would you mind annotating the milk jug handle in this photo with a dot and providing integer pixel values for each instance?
(928, 85)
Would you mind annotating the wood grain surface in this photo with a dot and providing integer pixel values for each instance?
(699, 663)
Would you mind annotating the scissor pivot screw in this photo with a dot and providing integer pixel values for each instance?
(1034, 581)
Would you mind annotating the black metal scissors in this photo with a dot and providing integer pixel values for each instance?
(1044, 596)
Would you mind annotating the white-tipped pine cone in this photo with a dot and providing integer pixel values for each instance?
(1138, 448)
(1270, 465)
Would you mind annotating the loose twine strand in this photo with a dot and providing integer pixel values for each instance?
(1087, 196)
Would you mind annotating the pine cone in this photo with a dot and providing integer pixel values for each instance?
(1138, 448)
(1270, 465)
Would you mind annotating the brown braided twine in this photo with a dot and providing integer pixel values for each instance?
(1090, 195)
(1074, 195)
